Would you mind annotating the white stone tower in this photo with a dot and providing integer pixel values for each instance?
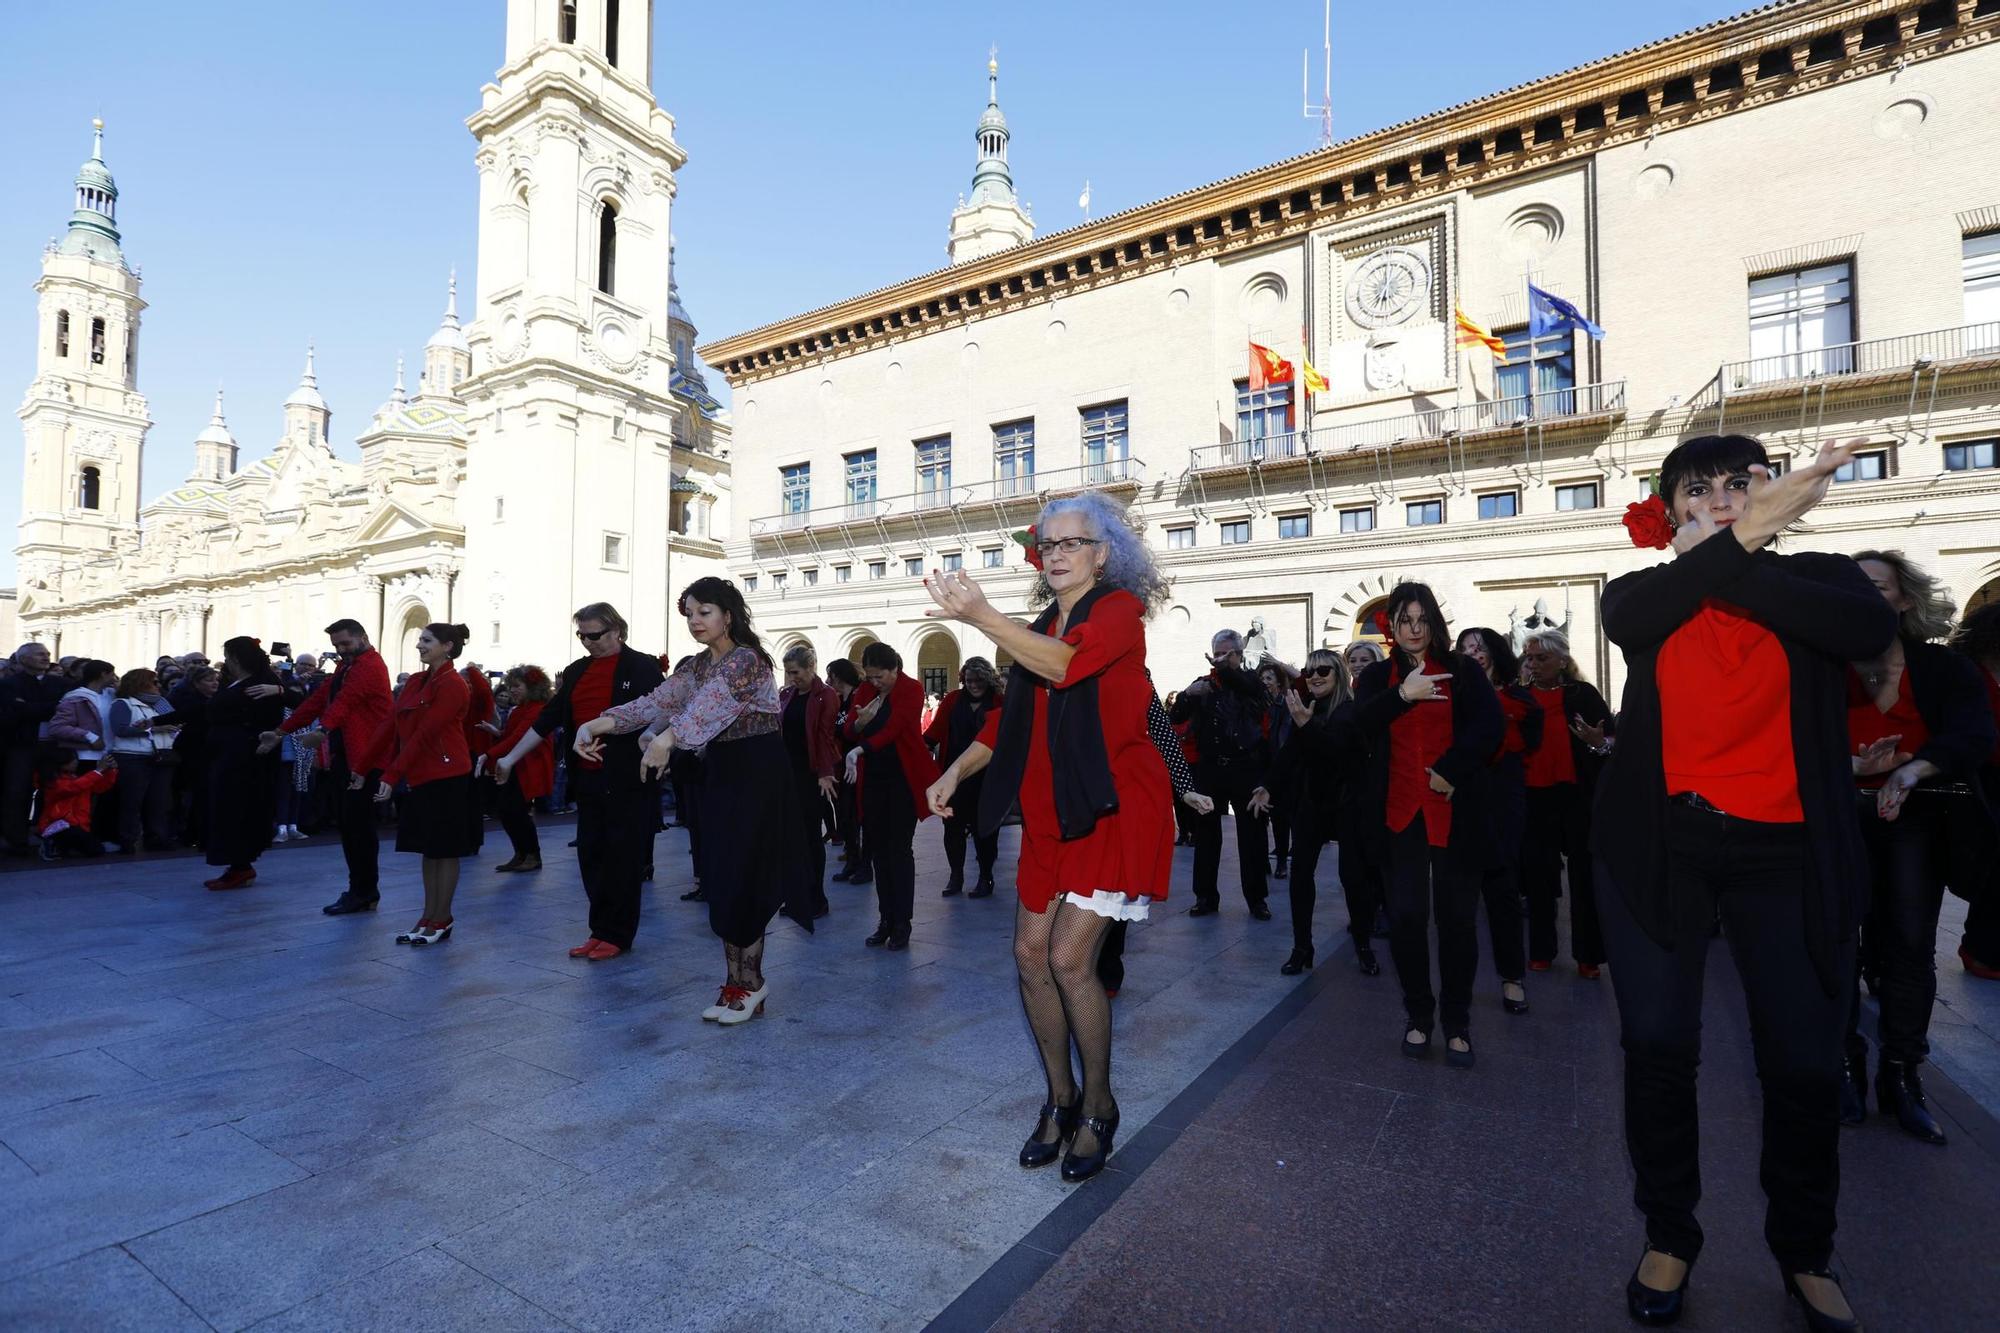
(215, 449)
(447, 356)
(568, 470)
(307, 417)
(991, 220)
(84, 419)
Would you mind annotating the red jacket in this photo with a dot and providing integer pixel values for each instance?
(68, 797)
(536, 773)
(478, 709)
(905, 731)
(424, 739)
(822, 747)
(357, 716)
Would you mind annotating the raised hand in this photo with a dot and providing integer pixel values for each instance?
(1775, 503)
(1421, 685)
(1879, 757)
(1300, 710)
(1583, 731)
(956, 596)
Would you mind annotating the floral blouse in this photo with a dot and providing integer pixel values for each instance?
(707, 700)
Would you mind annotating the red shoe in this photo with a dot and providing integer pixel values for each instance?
(1538, 964)
(603, 951)
(583, 950)
(1110, 992)
(233, 879)
(1977, 968)
(1588, 971)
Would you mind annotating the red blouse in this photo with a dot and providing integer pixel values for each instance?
(1726, 716)
(591, 695)
(1867, 723)
(536, 773)
(1417, 740)
(1131, 850)
(1553, 761)
(1515, 710)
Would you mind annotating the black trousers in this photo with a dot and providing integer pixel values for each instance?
(146, 787)
(614, 845)
(1906, 871)
(1421, 876)
(1501, 889)
(1281, 834)
(17, 789)
(1982, 930)
(812, 806)
(359, 843)
(1753, 874)
(1364, 883)
(847, 816)
(964, 825)
(1310, 835)
(890, 819)
(1228, 785)
(517, 819)
(1558, 832)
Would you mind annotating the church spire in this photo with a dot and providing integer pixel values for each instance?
(447, 356)
(214, 448)
(992, 219)
(992, 180)
(93, 226)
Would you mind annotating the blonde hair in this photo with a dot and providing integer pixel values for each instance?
(1343, 682)
(1928, 616)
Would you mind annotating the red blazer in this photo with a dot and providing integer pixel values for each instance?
(478, 708)
(424, 739)
(69, 797)
(822, 747)
(905, 731)
(357, 716)
(537, 772)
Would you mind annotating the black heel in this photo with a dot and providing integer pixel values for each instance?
(1365, 958)
(1077, 1166)
(1818, 1320)
(1416, 1050)
(1650, 1305)
(1063, 1119)
(1511, 1005)
(1300, 961)
(1900, 1092)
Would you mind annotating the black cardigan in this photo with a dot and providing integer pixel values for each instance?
(1319, 765)
(1477, 729)
(637, 676)
(1825, 613)
(1951, 699)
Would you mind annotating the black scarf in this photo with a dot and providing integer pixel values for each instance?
(1078, 762)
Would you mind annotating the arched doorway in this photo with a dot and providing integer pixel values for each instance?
(861, 640)
(937, 662)
(1369, 622)
(414, 618)
(1986, 596)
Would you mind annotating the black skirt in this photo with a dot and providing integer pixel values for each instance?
(753, 858)
(441, 819)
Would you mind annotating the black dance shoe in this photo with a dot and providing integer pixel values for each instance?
(1283, 870)
(1204, 909)
(1898, 1089)
(1063, 1119)
(1300, 961)
(1260, 912)
(1080, 1166)
(1456, 1058)
(1854, 1089)
(841, 875)
(1509, 1003)
(1650, 1305)
(1416, 1050)
(347, 903)
(1364, 958)
(899, 940)
(955, 887)
(861, 875)
(1818, 1320)
(880, 937)
(694, 895)
(983, 889)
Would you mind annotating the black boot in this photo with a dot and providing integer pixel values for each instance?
(881, 935)
(1898, 1089)
(1300, 961)
(1364, 958)
(956, 885)
(1854, 1089)
(984, 888)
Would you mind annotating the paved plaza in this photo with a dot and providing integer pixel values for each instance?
(227, 1110)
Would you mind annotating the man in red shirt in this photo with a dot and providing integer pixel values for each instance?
(351, 706)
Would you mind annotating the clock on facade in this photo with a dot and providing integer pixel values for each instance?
(1389, 287)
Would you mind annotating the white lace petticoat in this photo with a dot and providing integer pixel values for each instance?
(1116, 906)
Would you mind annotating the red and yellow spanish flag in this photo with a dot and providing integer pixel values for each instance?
(1314, 381)
(1267, 368)
(1475, 335)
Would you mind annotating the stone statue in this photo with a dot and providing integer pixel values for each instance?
(1258, 644)
(1539, 619)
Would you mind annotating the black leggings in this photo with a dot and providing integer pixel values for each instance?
(1557, 838)
(1421, 875)
(1309, 839)
(519, 823)
(890, 817)
(1906, 871)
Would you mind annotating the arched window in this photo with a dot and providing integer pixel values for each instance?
(566, 20)
(611, 31)
(89, 486)
(97, 342)
(62, 333)
(607, 247)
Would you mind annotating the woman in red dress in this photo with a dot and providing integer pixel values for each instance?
(528, 690)
(1070, 746)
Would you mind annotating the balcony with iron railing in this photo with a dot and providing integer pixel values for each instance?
(1003, 496)
(1852, 364)
(1548, 408)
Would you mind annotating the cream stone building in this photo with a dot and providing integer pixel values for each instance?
(562, 449)
(1787, 223)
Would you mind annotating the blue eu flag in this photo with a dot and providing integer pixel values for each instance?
(1551, 314)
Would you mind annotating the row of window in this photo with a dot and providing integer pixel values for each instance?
(990, 557)
(96, 337)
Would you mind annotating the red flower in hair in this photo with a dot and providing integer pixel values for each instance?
(1648, 523)
(1382, 622)
(1028, 539)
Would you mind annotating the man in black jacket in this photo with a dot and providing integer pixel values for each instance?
(1232, 758)
(28, 699)
(617, 811)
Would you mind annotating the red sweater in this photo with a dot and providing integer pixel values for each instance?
(905, 731)
(1726, 715)
(357, 716)
(425, 736)
(537, 771)
(68, 797)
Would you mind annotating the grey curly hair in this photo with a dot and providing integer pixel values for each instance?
(1128, 562)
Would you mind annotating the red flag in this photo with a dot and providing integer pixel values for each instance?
(1267, 368)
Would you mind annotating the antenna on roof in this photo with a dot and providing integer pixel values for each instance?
(1322, 111)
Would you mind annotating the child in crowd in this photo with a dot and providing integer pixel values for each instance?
(66, 797)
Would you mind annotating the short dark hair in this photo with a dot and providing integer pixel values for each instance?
(345, 625)
(93, 668)
(455, 635)
(1978, 636)
(842, 670)
(1707, 456)
(880, 655)
(248, 654)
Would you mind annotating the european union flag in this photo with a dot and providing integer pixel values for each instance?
(1551, 314)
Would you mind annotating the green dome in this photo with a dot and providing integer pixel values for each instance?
(93, 227)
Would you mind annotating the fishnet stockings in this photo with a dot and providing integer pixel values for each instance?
(746, 966)
(1055, 953)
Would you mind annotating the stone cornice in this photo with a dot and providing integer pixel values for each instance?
(1785, 49)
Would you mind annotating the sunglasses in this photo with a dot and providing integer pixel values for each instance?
(592, 638)
(1317, 671)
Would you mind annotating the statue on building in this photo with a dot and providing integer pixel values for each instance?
(1539, 619)
(1258, 645)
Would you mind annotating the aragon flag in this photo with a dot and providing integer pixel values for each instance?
(1267, 368)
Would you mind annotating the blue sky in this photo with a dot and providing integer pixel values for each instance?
(301, 170)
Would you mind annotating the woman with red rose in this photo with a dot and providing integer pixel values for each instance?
(1432, 722)
(1732, 744)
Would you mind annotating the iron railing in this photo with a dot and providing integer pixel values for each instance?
(1018, 489)
(1911, 351)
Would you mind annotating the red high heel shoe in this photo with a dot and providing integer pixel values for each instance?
(1975, 967)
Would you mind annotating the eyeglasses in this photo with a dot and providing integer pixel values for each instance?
(592, 638)
(1067, 545)
(1318, 671)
